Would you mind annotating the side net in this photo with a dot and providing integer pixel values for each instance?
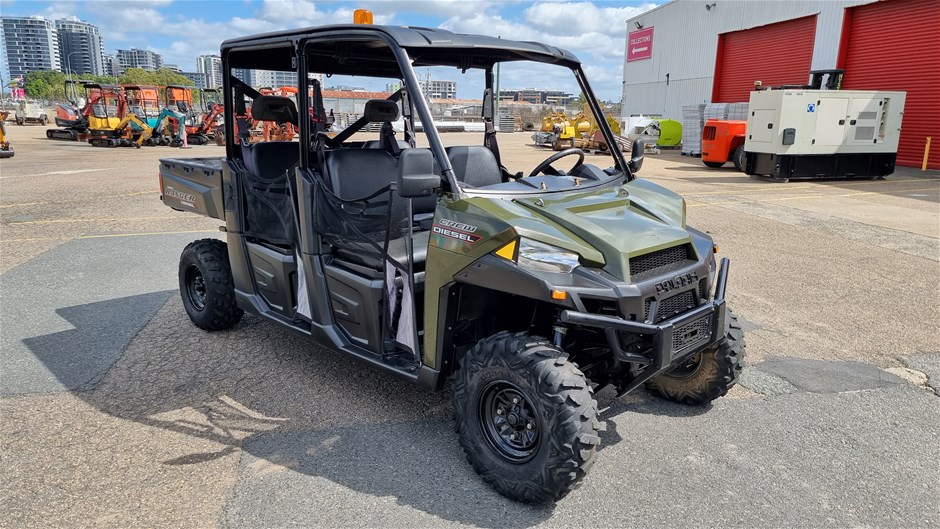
(374, 232)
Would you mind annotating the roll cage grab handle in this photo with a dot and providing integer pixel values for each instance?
(421, 106)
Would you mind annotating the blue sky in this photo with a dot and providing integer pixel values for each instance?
(182, 29)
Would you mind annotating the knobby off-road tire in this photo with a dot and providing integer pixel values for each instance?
(530, 386)
(207, 287)
(707, 375)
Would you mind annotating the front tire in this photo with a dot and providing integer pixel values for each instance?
(526, 417)
(706, 375)
(714, 165)
(207, 286)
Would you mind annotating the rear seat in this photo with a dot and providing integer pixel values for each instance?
(269, 160)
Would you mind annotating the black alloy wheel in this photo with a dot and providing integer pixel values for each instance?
(509, 421)
(196, 287)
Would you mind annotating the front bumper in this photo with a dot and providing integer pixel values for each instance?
(673, 340)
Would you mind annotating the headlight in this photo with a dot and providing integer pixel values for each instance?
(543, 257)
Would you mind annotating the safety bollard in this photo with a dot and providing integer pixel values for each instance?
(923, 165)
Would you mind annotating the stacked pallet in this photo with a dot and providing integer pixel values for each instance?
(695, 116)
(693, 121)
(726, 111)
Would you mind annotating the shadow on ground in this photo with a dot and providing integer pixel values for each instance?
(290, 404)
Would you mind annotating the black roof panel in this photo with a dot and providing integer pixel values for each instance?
(417, 39)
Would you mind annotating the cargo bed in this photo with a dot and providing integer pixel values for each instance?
(193, 184)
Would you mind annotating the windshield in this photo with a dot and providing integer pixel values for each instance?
(549, 138)
(545, 135)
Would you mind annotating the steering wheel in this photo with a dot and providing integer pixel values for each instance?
(546, 165)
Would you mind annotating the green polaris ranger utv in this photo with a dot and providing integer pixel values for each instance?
(526, 286)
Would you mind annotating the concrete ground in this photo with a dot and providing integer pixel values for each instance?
(116, 411)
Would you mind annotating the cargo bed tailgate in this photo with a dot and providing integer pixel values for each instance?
(193, 184)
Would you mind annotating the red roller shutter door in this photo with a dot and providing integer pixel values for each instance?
(775, 54)
(895, 45)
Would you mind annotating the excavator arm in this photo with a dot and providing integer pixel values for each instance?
(145, 129)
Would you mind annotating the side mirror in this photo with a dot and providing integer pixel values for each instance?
(416, 176)
(636, 156)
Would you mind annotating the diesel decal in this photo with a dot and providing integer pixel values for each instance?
(454, 234)
(469, 228)
(179, 195)
(677, 282)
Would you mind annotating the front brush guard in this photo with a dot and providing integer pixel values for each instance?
(661, 356)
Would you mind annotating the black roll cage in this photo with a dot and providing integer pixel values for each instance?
(297, 45)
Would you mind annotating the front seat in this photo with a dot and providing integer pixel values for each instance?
(474, 165)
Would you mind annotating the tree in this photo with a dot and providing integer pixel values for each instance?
(161, 77)
(45, 84)
(50, 84)
(137, 76)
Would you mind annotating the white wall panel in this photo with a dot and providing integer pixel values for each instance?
(685, 43)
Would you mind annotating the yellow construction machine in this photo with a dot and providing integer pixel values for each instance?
(581, 131)
(557, 131)
(122, 134)
(109, 121)
(5, 150)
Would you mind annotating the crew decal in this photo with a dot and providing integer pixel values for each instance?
(456, 230)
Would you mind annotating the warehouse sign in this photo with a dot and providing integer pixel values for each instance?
(640, 44)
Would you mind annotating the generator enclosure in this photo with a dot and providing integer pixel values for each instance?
(803, 133)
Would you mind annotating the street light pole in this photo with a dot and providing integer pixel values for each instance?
(68, 63)
(68, 66)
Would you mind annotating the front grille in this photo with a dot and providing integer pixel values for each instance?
(671, 306)
(653, 263)
(690, 335)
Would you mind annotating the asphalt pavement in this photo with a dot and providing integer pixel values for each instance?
(115, 411)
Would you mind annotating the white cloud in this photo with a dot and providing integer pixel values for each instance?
(594, 33)
(582, 17)
(494, 25)
(195, 36)
(290, 12)
(439, 8)
(57, 10)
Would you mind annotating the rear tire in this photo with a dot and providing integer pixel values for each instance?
(714, 165)
(707, 375)
(525, 416)
(207, 286)
(738, 158)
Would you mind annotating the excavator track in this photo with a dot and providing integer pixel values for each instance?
(62, 134)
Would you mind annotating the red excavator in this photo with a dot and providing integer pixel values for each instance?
(72, 117)
(268, 130)
(200, 129)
